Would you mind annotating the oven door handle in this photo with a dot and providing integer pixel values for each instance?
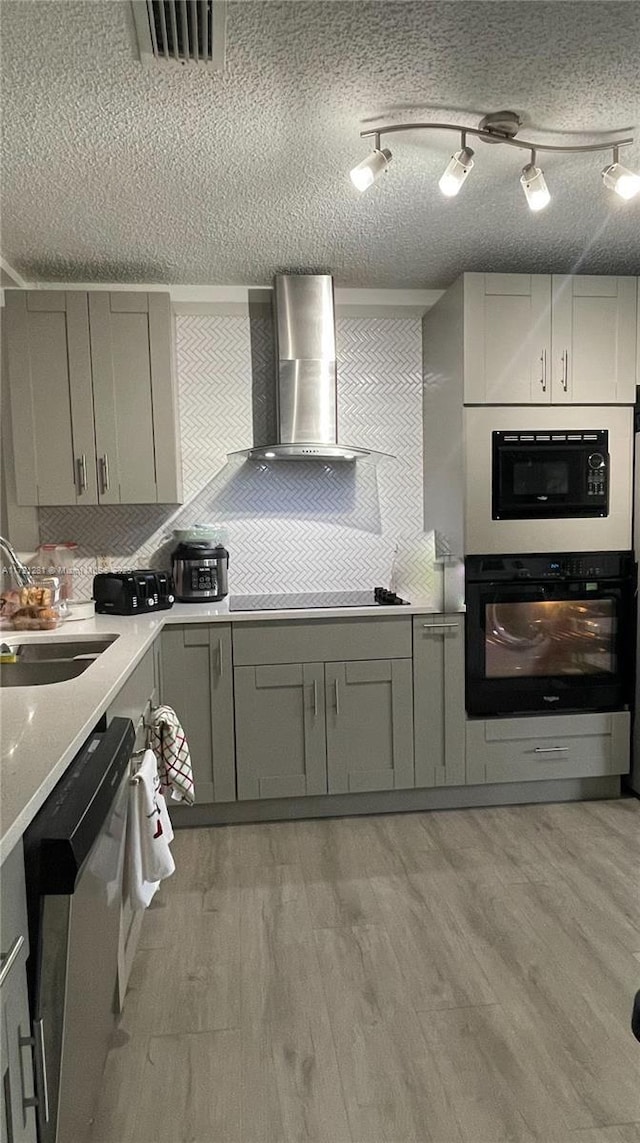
(550, 749)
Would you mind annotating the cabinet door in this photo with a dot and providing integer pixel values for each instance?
(197, 683)
(438, 697)
(593, 340)
(369, 725)
(49, 366)
(135, 398)
(16, 1065)
(507, 339)
(280, 731)
(18, 1114)
(122, 397)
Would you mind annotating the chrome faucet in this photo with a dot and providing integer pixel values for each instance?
(20, 572)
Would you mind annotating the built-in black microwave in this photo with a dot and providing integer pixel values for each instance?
(550, 474)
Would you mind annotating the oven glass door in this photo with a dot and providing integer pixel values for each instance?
(544, 481)
(547, 647)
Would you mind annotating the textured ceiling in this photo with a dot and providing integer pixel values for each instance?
(114, 171)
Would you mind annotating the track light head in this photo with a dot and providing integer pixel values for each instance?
(534, 186)
(456, 171)
(624, 182)
(365, 174)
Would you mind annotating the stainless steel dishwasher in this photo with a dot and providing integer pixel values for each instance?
(74, 856)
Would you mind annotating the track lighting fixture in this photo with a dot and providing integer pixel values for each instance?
(534, 185)
(497, 127)
(620, 179)
(365, 174)
(456, 169)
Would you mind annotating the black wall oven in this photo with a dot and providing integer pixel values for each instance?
(550, 475)
(549, 633)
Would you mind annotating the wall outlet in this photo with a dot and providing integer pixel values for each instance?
(103, 564)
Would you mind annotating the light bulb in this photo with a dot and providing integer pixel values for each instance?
(535, 187)
(269, 455)
(365, 174)
(623, 181)
(456, 172)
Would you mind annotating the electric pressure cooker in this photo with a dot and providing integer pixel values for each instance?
(200, 571)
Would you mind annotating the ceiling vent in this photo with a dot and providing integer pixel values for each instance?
(181, 31)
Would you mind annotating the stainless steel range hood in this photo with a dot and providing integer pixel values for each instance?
(307, 404)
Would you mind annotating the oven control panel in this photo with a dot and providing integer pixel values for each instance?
(564, 566)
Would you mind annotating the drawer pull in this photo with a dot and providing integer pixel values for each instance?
(337, 692)
(9, 959)
(550, 749)
(315, 698)
(220, 660)
(438, 626)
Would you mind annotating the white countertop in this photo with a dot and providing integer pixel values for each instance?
(43, 727)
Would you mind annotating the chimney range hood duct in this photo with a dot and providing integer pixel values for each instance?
(307, 405)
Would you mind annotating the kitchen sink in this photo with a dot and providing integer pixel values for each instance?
(41, 674)
(51, 661)
(60, 651)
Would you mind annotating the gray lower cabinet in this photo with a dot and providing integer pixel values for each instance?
(318, 728)
(17, 1114)
(280, 730)
(438, 690)
(547, 746)
(197, 681)
(369, 725)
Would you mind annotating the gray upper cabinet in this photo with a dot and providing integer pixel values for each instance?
(507, 337)
(93, 397)
(196, 680)
(369, 725)
(438, 690)
(280, 730)
(133, 393)
(542, 339)
(593, 340)
(49, 364)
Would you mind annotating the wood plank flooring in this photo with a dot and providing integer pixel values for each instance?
(453, 977)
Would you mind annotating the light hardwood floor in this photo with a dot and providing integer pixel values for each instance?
(453, 977)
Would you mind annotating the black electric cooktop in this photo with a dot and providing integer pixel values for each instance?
(379, 597)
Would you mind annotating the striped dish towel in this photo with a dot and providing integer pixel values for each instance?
(170, 746)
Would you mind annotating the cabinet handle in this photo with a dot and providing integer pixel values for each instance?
(550, 749)
(565, 370)
(439, 626)
(315, 698)
(220, 660)
(81, 464)
(9, 959)
(543, 370)
(337, 690)
(104, 472)
(41, 1098)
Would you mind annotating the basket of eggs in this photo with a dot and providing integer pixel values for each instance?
(35, 607)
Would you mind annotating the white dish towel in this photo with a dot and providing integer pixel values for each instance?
(169, 741)
(149, 833)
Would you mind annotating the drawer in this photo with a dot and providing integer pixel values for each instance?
(14, 901)
(544, 747)
(320, 641)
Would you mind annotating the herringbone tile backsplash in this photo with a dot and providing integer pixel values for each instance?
(291, 526)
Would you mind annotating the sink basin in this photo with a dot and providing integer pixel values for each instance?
(41, 674)
(60, 651)
(51, 661)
